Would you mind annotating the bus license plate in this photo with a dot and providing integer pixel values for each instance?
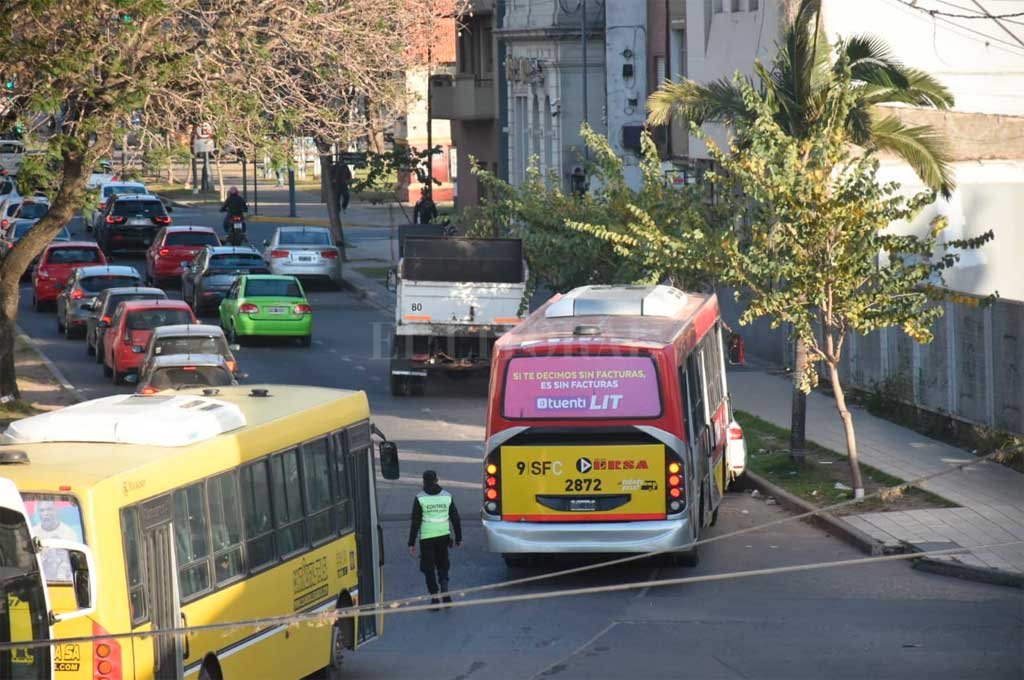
(276, 310)
(583, 505)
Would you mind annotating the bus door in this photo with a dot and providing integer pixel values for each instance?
(162, 584)
(700, 434)
(360, 456)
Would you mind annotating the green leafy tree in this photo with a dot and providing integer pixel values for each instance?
(796, 89)
(257, 72)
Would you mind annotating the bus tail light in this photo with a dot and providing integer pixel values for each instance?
(492, 486)
(106, 655)
(675, 486)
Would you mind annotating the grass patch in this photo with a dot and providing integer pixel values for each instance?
(16, 409)
(378, 273)
(815, 480)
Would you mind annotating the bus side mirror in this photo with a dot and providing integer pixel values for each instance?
(389, 460)
(83, 576)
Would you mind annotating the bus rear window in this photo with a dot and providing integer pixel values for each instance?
(590, 387)
(55, 516)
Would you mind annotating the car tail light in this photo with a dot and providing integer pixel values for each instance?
(112, 219)
(188, 368)
(302, 309)
(735, 432)
(674, 486)
(278, 254)
(164, 252)
(4, 223)
(492, 486)
(162, 219)
(106, 318)
(77, 294)
(149, 390)
(329, 254)
(420, 356)
(232, 365)
(248, 308)
(106, 655)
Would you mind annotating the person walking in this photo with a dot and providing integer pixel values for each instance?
(434, 519)
(341, 177)
(425, 210)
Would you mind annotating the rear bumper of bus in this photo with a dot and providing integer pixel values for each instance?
(587, 537)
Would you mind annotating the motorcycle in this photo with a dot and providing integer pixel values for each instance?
(235, 227)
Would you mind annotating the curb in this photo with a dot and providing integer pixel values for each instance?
(57, 374)
(826, 521)
(968, 572)
(362, 291)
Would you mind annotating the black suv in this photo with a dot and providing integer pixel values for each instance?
(209, 276)
(131, 221)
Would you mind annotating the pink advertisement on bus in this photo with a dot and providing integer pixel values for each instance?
(564, 387)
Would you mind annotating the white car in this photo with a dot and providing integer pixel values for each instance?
(8, 187)
(304, 251)
(12, 151)
(106, 190)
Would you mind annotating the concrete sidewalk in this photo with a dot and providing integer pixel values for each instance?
(991, 495)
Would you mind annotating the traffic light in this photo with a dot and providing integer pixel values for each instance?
(126, 18)
(9, 84)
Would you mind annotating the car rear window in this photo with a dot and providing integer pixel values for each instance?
(236, 261)
(148, 319)
(33, 211)
(114, 300)
(584, 387)
(191, 238)
(189, 376)
(192, 344)
(304, 238)
(97, 284)
(6, 187)
(141, 208)
(73, 255)
(122, 190)
(272, 288)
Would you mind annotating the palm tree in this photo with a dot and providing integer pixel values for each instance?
(796, 87)
(797, 84)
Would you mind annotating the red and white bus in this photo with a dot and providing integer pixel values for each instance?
(608, 426)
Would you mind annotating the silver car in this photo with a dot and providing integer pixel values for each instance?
(78, 293)
(191, 338)
(307, 252)
(179, 371)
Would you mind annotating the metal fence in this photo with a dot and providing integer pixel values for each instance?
(972, 371)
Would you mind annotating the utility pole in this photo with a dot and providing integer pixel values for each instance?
(583, 49)
(430, 121)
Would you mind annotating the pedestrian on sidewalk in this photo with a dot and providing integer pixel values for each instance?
(425, 210)
(434, 517)
(341, 177)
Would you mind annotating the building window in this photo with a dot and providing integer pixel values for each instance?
(736, 6)
(487, 47)
(716, 6)
(753, 6)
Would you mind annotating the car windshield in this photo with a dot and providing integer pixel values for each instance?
(191, 238)
(122, 190)
(12, 208)
(33, 211)
(189, 376)
(97, 284)
(114, 300)
(191, 344)
(140, 208)
(236, 261)
(148, 319)
(272, 288)
(314, 237)
(73, 255)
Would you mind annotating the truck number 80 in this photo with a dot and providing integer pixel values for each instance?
(417, 306)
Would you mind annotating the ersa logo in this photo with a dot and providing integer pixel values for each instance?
(586, 465)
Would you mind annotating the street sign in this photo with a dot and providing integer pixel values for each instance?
(204, 131)
(201, 145)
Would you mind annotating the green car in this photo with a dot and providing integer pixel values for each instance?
(266, 305)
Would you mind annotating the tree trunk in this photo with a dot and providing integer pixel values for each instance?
(851, 437)
(798, 415)
(77, 164)
(326, 170)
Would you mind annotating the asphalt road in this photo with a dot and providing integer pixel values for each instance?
(873, 621)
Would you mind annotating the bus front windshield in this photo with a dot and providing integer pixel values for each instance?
(23, 615)
(581, 387)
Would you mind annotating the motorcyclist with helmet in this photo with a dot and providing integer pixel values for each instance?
(235, 207)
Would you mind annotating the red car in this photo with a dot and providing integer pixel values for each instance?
(56, 265)
(126, 335)
(171, 247)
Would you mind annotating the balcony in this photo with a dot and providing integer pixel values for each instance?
(462, 97)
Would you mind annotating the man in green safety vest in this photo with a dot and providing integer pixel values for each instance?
(434, 516)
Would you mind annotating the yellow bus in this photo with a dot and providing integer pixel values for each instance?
(207, 506)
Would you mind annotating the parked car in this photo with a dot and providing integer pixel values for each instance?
(56, 264)
(20, 227)
(126, 336)
(102, 309)
(173, 247)
(267, 305)
(206, 279)
(131, 222)
(74, 304)
(22, 207)
(189, 339)
(107, 191)
(179, 371)
(304, 251)
(12, 152)
(103, 173)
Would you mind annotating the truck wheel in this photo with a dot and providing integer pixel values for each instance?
(399, 386)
